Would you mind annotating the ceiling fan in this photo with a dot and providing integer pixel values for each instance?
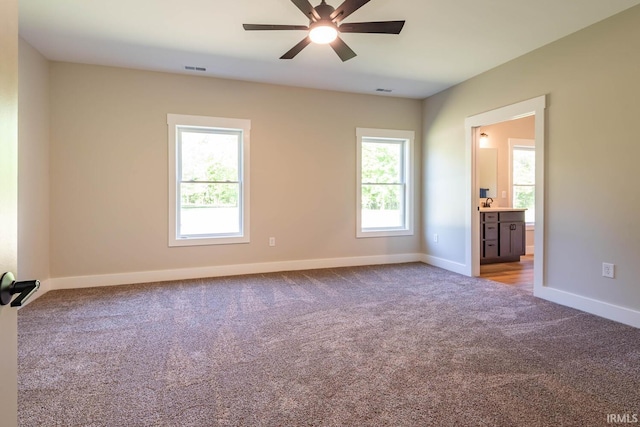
(325, 23)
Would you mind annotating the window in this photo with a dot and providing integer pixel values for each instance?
(523, 168)
(208, 180)
(384, 175)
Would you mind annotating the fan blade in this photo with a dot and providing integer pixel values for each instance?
(344, 52)
(307, 9)
(385, 27)
(346, 9)
(296, 49)
(256, 27)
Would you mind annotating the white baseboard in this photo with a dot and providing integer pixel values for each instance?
(599, 308)
(529, 250)
(609, 311)
(78, 282)
(456, 267)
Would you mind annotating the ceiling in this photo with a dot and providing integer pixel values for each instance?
(443, 42)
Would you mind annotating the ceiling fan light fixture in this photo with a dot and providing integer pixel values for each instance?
(323, 33)
(325, 27)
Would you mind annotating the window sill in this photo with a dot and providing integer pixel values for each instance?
(383, 233)
(208, 241)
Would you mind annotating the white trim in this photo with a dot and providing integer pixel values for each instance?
(589, 305)
(78, 282)
(536, 107)
(529, 250)
(244, 125)
(456, 267)
(408, 139)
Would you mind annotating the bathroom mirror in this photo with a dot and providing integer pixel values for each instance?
(488, 171)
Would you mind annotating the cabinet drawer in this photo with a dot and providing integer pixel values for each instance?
(490, 216)
(490, 231)
(512, 216)
(490, 249)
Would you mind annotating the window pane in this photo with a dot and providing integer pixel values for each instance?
(524, 179)
(524, 197)
(524, 166)
(381, 162)
(209, 209)
(382, 206)
(208, 156)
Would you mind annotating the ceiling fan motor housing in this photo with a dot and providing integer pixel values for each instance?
(324, 11)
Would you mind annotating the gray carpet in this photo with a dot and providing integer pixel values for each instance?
(393, 345)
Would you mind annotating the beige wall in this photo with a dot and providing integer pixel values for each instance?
(592, 199)
(109, 169)
(33, 166)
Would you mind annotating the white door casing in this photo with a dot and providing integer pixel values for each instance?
(8, 206)
(536, 107)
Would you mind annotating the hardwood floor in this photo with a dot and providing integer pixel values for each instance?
(518, 274)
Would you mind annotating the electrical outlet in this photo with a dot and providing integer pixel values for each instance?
(272, 241)
(435, 237)
(608, 270)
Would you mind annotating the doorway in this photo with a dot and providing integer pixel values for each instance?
(505, 164)
(536, 108)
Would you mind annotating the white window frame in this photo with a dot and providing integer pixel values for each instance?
(407, 139)
(515, 144)
(175, 121)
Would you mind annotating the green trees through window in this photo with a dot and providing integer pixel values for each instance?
(524, 180)
(210, 168)
(382, 175)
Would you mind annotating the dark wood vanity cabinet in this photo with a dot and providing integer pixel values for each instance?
(502, 236)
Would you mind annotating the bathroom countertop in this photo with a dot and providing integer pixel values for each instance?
(498, 209)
